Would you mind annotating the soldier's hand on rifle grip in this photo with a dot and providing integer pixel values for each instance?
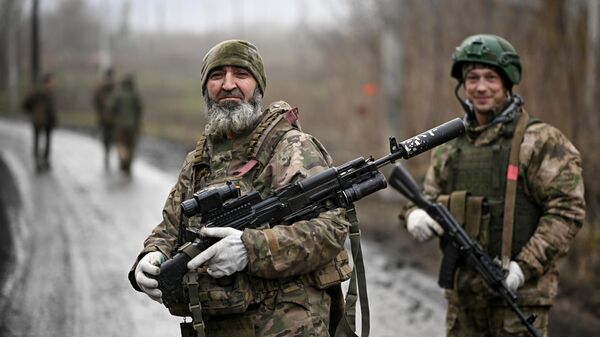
(515, 278)
(150, 265)
(225, 257)
(421, 226)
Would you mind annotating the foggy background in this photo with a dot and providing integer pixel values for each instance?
(359, 71)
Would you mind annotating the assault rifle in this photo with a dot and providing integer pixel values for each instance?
(335, 187)
(459, 246)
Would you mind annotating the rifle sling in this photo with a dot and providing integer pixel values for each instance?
(195, 306)
(512, 176)
(346, 326)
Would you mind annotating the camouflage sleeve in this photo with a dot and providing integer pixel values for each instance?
(551, 166)
(435, 178)
(164, 236)
(302, 247)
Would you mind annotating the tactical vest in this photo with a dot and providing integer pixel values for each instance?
(213, 167)
(481, 171)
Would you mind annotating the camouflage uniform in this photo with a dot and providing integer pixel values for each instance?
(39, 103)
(549, 203)
(126, 109)
(281, 259)
(100, 100)
(291, 269)
(550, 168)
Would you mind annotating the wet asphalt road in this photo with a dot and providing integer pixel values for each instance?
(74, 231)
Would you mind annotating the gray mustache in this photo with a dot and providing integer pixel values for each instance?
(232, 93)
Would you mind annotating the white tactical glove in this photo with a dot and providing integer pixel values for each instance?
(421, 226)
(515, 278)
(224, 257)
(149, 265)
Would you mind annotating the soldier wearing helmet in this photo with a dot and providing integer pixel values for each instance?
(269, 281)
(513, 182)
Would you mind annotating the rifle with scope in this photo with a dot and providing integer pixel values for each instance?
(336, 187)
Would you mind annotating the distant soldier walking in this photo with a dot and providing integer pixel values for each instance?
(100, 99)
(126, 109)
(39, 104)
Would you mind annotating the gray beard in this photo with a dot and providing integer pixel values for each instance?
(232, 117)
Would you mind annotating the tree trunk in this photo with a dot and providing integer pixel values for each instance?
(35, 42)
(391, 75)
(592, 61)
(11, 51)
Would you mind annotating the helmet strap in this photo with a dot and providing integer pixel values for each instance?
(466, 105)
(506, 116)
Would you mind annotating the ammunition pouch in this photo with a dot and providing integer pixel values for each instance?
(219, 296)
(233, 294)
(471, 212)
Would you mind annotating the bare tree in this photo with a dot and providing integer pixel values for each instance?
(592, 60)
(11, 10)
(35, 41)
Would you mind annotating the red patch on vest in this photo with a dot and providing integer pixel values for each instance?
(512, 173)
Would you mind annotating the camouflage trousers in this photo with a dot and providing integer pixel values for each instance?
(125, 139)
(37, 134)
(480, 319)
(293, 312)
(107, 129)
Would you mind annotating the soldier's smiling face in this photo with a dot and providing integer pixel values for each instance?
(233, 101)
(484, 88)
(230, 85)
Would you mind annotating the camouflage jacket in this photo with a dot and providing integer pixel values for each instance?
(100, 99)
(551, 168)
(125, 108)
(39, 103)
(277, 252)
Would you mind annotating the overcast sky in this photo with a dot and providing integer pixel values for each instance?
(202, 15)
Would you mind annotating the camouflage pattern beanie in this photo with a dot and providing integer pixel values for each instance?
(236, 53)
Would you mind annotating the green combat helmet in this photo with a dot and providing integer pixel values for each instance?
(490, 50)
(237, 53)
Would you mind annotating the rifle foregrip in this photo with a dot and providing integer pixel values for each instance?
(449, 264)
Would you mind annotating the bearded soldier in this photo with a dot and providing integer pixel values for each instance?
(280, 273)
(513, 182)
